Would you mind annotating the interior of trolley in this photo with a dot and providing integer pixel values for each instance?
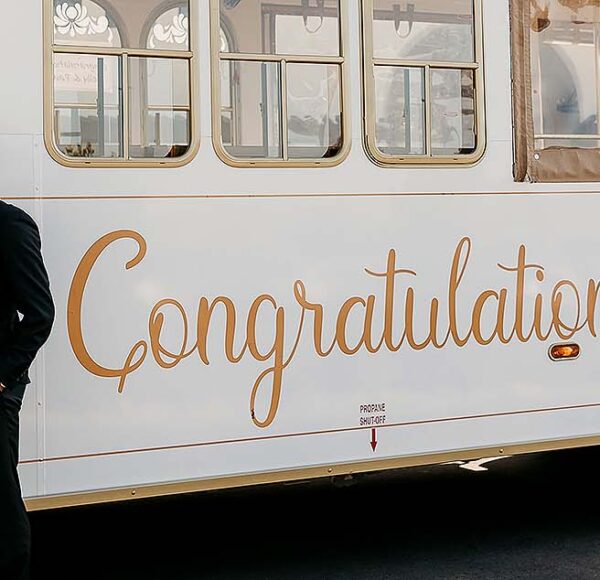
(123, 81)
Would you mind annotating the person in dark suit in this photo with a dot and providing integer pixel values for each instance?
(26, 317)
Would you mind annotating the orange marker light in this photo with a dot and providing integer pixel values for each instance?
(564, 351)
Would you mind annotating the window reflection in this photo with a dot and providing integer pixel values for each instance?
(87, 105)
(258, 108)
(400, 110)
(290, 106)
(228, 110)
(453, 111)
(159, 107)
(92, 92)
(564, 61)
(426, 30)
(284, 26)
(424, 101)
(314, 110)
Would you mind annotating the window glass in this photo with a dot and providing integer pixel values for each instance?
(400, 110)
(159, 106)
(84, 23)
(228, 118)
(134, 103)
(258, 108)
(283, 26)
(314, 110)
(153, 24)
(170, 30)
(287, 107)
(452, 111)
(564, 74)
(556, 90)
(87, 105)
(422, 78)
(430, 30)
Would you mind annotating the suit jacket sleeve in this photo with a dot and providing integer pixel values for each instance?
(25, 278)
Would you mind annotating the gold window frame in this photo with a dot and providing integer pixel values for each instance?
(124, 53)
(341, 61)
(369, 62)
(553, 165)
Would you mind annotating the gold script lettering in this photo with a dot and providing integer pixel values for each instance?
(138, 352)
(487, 318)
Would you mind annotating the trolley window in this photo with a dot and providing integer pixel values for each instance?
(119, 82)
(556, 63)
(423, 81)
(278, 82)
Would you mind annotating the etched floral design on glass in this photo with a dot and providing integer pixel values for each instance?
(171, 31)
(83, 23)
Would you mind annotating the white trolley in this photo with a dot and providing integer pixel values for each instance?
(299, 238)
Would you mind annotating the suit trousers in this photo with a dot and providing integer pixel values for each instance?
(15, 533)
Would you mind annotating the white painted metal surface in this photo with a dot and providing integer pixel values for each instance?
(242, 234)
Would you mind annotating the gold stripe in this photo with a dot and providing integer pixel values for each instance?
(310, 433)
(149, 491)
(126, 197)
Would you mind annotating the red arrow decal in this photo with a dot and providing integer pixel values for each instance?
(373, 439)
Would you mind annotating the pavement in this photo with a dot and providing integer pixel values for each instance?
(534, 516)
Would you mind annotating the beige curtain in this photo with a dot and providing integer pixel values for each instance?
(556, 164)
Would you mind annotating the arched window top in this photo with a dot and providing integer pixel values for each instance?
(224, 40)
(170, 30)
(84, 23)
